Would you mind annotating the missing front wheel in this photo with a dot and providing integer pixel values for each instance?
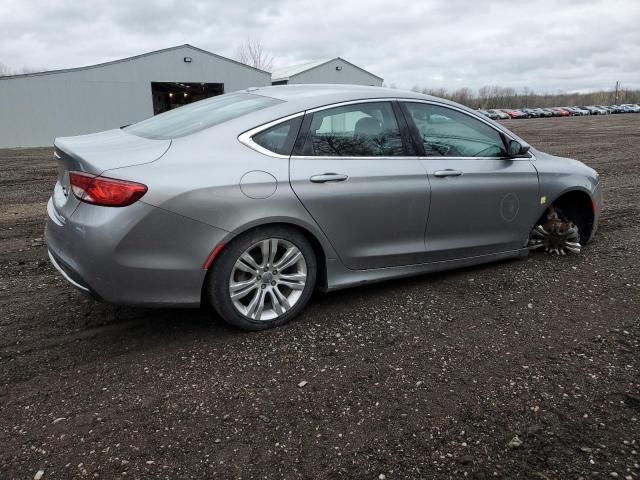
(556, 235)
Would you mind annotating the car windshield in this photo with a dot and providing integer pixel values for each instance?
(199, 115)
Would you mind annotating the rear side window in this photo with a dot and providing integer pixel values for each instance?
(358, 130)
(199, 115)
(446, 132)
(279, 138)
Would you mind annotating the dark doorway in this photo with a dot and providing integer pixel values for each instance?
(169, 95)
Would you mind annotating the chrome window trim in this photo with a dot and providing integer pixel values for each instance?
(472, 115)
(363, 157)
(532, 157)
(337, 157)
(351, 102)
(246, 138)
(410, 157)
(452, 107)
(431, 102)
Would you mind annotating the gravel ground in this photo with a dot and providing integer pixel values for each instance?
(521, 369)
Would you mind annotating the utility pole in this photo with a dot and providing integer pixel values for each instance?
(617, 89)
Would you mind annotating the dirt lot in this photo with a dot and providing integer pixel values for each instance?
(430, 377)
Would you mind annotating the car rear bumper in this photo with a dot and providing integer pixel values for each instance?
(137, 255)
(68, 274)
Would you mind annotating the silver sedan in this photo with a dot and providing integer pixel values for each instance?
(249, 201)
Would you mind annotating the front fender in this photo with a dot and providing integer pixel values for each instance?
(559, 175)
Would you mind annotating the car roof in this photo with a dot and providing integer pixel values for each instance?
(299, 98)
(316, 95)
(293, 92)
(296, 98)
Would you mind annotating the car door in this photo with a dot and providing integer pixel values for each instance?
(354, 171)
(481, 201)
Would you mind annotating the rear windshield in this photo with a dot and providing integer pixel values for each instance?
(199, 115)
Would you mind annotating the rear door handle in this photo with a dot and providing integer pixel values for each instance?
(328, 177)
(447, 173)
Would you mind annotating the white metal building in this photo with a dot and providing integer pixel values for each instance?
(36, 108)
(335, 70)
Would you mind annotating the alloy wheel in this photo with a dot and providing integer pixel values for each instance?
(268, 279)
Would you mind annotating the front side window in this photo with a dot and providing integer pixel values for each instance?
(358, 130)
(446, 132)
(199, 115)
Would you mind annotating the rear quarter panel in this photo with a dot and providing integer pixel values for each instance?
(200, 177)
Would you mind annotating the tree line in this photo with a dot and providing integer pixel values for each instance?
(507, 97)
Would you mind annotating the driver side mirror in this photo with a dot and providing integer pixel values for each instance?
(516, 149)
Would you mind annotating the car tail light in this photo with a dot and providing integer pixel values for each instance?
(104, 191)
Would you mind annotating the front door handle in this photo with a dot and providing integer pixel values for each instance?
(328, 177)
(447, 173)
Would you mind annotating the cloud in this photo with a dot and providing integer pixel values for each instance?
(546, 45)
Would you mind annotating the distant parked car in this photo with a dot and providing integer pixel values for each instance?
(532, 112)
(582, 111)
(489, 113)
(515, 113)
(617, 108)
(561, 111)
(499, 113)
(593, 110)
(551, 112)
(542, 112)
(572, 111)
(632, 107)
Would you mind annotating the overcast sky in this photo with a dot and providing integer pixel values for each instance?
(546, 45)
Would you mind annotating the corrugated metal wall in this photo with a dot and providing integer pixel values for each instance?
(327, 73)
(35, 109)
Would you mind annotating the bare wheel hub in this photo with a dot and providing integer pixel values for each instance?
(555, 236)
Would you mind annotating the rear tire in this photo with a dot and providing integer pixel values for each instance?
(270, 272)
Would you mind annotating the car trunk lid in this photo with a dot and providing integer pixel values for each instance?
(95, 154)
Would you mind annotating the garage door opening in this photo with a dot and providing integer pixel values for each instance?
(170, 95)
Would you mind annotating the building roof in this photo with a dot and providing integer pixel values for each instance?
(286, 73)
(128, 59)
